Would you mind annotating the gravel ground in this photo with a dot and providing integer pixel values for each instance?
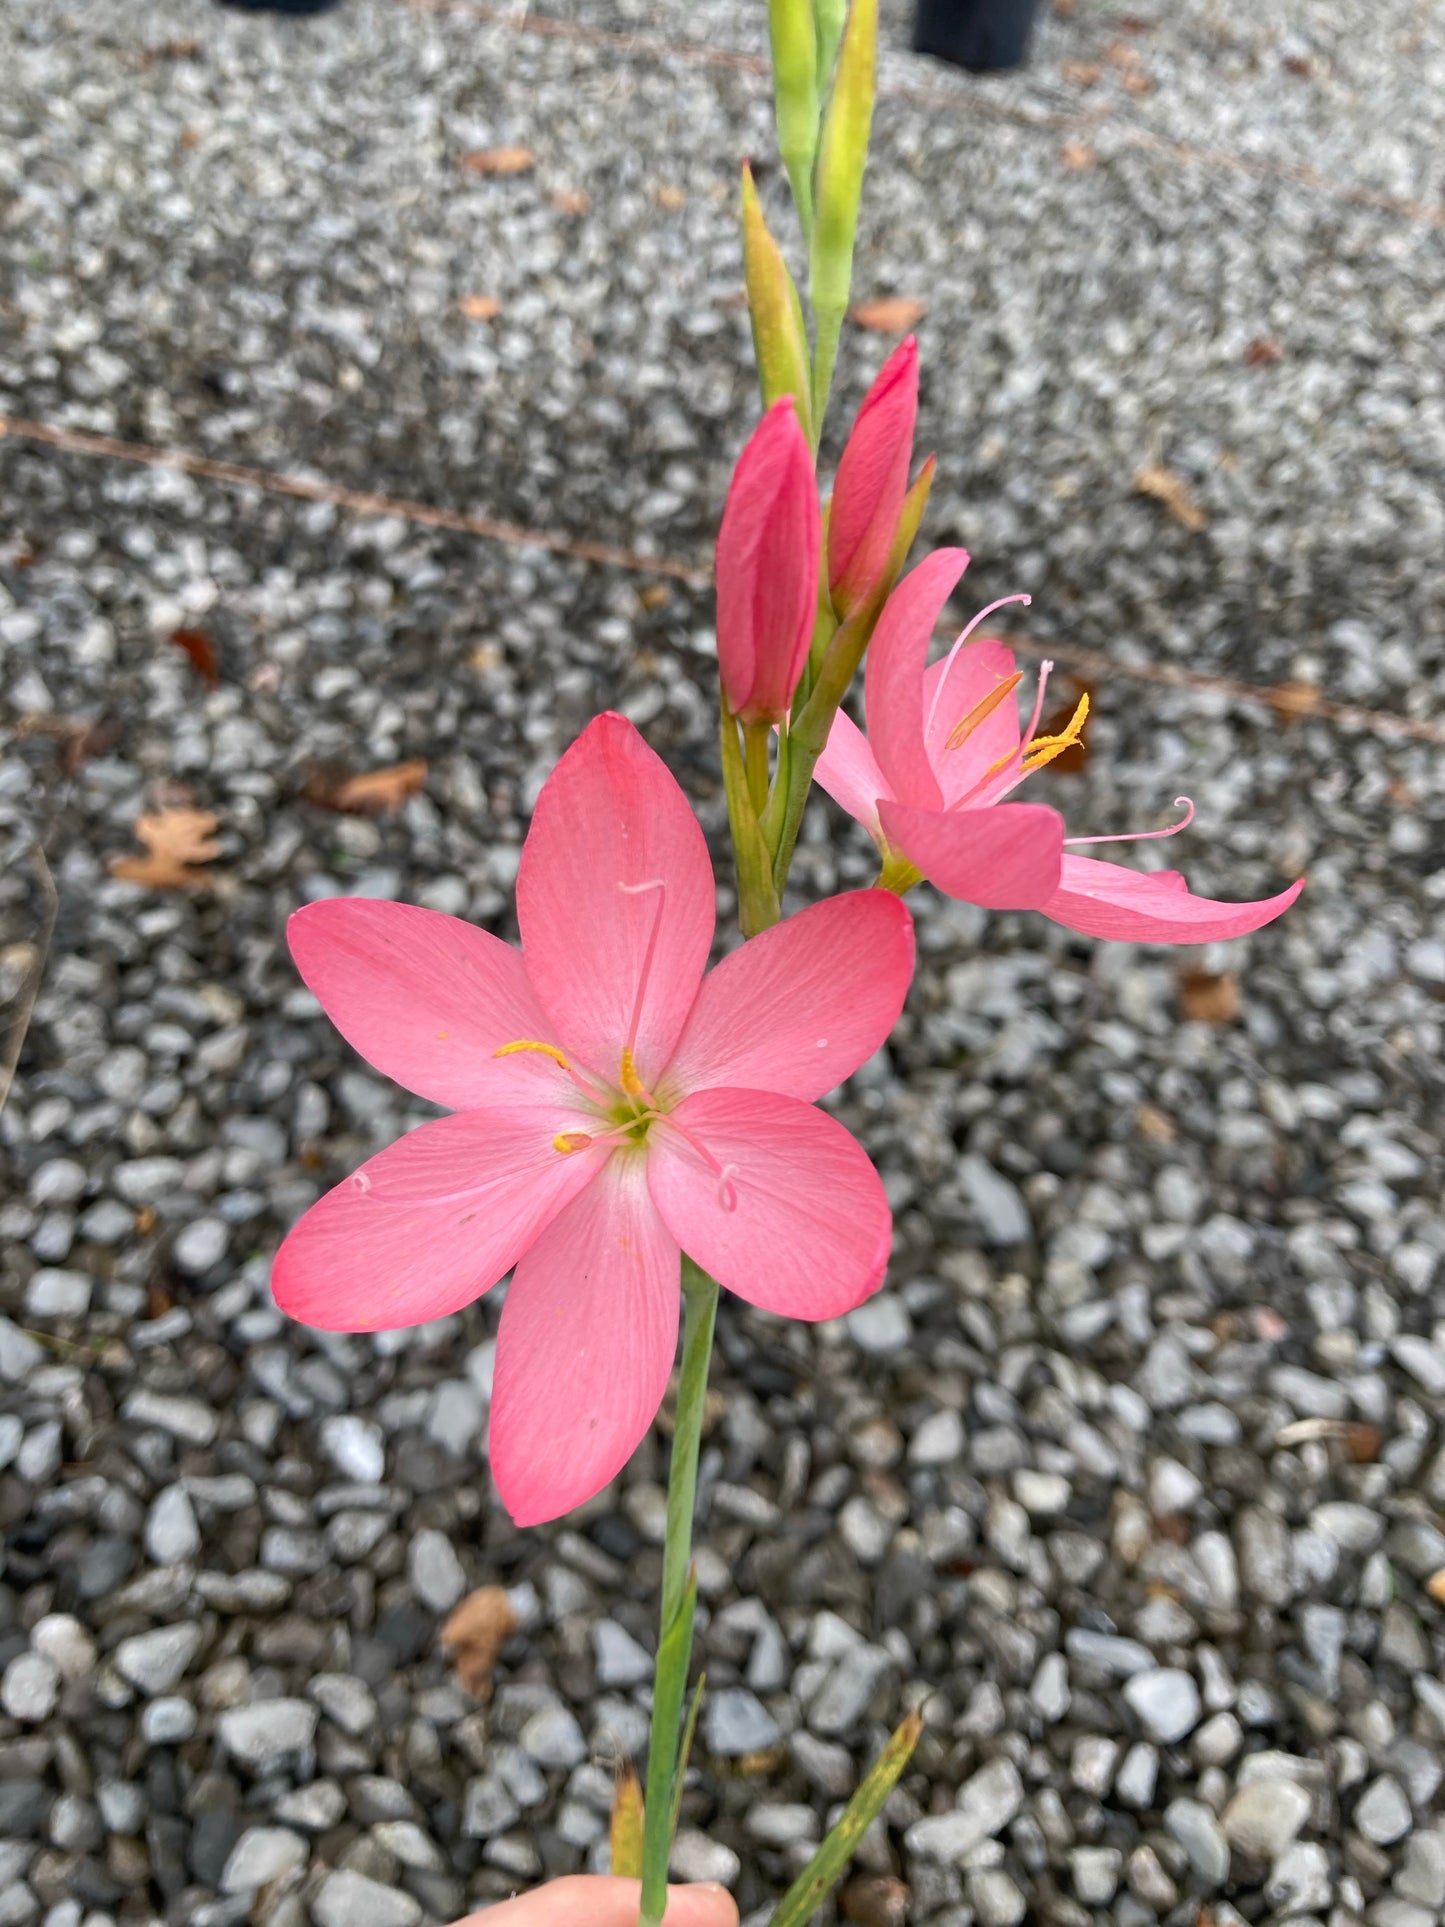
(1135, 1475)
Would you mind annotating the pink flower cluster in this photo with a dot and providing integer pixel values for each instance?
(614, 1103)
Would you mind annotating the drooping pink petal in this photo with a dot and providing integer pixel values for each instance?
(873, 478)
(1005, 857)
(610, 825)
(1134, 906)
(973, 675)
(432, 1222)
(893, 680)
(799, 1007)
(426, 998)
(809, 1229)
(585, 1346)
(849, 772)
(767, 568)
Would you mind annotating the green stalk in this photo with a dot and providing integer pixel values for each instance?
(755, 759)
(758, 906)
(679, 1591)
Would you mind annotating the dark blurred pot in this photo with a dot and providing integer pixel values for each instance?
(979, 34)
(281, 6)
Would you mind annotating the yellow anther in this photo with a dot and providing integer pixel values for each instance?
(568, 1141)
(530, 1043)
(631, 1082)
(1043, 749)
(981, 711)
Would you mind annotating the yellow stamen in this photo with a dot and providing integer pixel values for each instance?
(568, 1141)
(631, 1082)
(530, 1043)
(1043, 749)
(981, 711)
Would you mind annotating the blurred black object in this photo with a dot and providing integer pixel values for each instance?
(982, 35)
(281, 6)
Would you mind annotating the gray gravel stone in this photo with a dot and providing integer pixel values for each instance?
(154, 1662)
(1166, 1703)
(736, 1722)
(268, 1731)
(1383, 1812)
(437, 1576)
(985, 1805)
(171, 1532)
(1202, 1838)
(553, 1738)
(349, 1899)
(1263, 1817)
(620, 1660)
(261, 1855)
(30, 1688)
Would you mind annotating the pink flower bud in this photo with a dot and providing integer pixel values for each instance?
(873, 479)
(767, 569)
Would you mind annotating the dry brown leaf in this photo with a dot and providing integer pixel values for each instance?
(1065, 8)
(1077, 155)
(1163, 485)
(1208, 996)
(202, 652)
(371, 793)
(177, 841)
(498, 160)
(1435, 1586)
(654, 595)
(1263, 350)
(891, 314)
(480, 307)
(1291, 701)
(1120, 54)
(1135, 82)
(1082, 73)
(476, 1632)
(670, 197)
(570, 201)
(1362, 1443)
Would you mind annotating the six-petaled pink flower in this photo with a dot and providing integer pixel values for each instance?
(944, 750)
(612, 1107)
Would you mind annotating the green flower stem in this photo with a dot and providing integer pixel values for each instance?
(679, 1591)
(758, 906)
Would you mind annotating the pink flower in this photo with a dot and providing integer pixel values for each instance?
(872, 479)
(767, 569)
(942, 752)
(613, 1106)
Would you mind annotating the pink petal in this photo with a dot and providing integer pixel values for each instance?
(1005, 858)
(1106, 900)
(810, 1229)
(585, 1346)
(975, 672)
(873, 478)
(431, 1222)
(800, 1007)
(611, 817)
(425, 998)
(893, 680)
(849, 772)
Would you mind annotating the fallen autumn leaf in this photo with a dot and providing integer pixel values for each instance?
(891, 314)
(177, 841)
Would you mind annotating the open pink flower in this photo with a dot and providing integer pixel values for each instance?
(613, 1106)
(944, 750)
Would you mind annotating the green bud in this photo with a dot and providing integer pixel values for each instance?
(842, 156)
(780, 341)
(795, 90)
